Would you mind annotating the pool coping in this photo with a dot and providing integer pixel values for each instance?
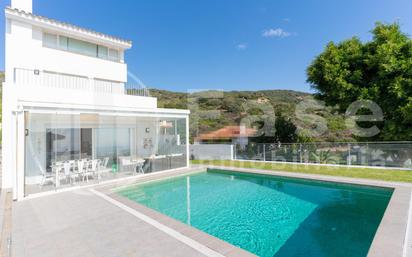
(202, 242)
(389, 240)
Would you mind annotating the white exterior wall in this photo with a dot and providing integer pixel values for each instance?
(9, 132)
(24, 45)
(71, 98)
(211, 152)
(24, 51)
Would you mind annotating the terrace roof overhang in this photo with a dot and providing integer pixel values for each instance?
(35, 107)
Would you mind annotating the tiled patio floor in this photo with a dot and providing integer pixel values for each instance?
(81, 224)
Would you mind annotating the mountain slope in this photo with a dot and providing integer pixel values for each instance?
(230, 108)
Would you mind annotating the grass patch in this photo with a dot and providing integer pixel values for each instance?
(352, 172)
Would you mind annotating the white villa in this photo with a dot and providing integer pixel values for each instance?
(70, 118)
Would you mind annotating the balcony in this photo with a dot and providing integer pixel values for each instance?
(49, 79)
(48, 89)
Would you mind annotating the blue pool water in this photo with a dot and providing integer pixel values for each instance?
(271, 216)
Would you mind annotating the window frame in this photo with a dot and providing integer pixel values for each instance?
(66, 47)
(45, 43)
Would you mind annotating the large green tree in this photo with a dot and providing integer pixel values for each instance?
(379, 70)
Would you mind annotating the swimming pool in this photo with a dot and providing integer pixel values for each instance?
(270, 215)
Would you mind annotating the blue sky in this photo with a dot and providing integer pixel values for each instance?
(225, 44)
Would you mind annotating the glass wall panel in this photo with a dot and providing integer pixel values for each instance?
(62, 144)
(63, 150)
(106, 144)
(51, 140)
(172, 142)
(123, 141)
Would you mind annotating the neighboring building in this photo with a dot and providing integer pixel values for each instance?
(69, 115)
(237, 135)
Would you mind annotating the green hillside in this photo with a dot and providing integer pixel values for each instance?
(234, 106)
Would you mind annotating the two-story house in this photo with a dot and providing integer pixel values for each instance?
(70, 117)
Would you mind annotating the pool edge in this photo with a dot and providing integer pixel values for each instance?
(215, 244)
(390, 237)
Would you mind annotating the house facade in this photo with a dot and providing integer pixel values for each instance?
(235, 135)
(70, 116)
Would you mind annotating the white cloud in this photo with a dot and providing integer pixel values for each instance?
(276, 33)
(286, 20)
(241, 46)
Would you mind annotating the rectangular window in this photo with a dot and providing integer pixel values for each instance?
(63, 42)
(114, 55)
(102, 52)
(82, 47)
(50, 40)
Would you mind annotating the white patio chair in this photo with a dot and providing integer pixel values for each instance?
(126, 164)
(102, 166)
(140, 163)
(46, 177)
(88, 169)
(82, 168)
(94, 169)
(98, 169)
(105, 162)
(72, 165)
(69, 172)
(56, 173)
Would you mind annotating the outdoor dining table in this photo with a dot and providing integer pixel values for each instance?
(58, 168)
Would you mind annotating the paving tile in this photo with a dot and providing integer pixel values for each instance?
(18, 249)
(75, 224)
(43, 250)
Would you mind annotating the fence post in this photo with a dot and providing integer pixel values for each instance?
(368, 155)
(300, 153)
(264, 153)
(349, 162)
